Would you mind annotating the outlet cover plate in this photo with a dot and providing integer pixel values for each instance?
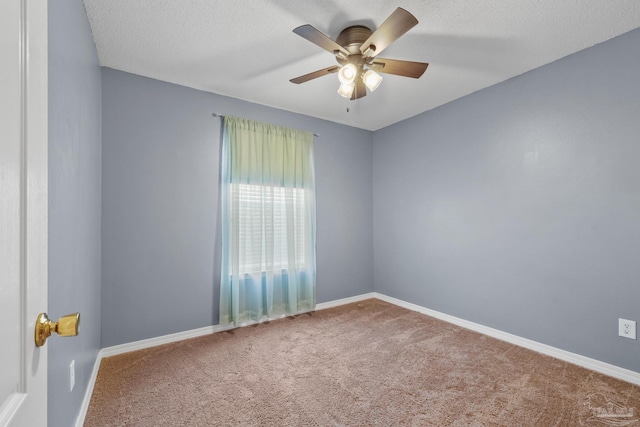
(627, 328)
(72, 375)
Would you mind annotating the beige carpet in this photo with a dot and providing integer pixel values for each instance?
(367, 363)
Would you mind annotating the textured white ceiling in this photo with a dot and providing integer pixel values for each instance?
(246, 48)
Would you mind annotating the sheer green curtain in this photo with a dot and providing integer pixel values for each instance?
(268, 222)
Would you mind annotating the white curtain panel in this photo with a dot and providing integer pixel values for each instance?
(268, 222)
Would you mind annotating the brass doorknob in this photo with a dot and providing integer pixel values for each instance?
(66, 326)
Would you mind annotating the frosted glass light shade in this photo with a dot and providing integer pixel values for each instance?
(347, 74)
(346, 89)
(372, 80)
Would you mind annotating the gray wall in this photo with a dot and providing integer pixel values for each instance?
(74, 203)
(518, 207)
(160, 178)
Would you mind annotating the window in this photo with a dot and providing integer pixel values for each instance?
(264, 229)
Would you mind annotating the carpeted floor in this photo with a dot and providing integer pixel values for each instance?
(367, 363)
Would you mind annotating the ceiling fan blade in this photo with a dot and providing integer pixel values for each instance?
(359, 91)
(319, 38)
(315, 74)
(398, 67)
(398, 23)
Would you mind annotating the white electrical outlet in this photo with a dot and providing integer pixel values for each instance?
(72, 375)
(627, 328)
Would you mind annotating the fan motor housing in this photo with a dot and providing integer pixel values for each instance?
(351, 38)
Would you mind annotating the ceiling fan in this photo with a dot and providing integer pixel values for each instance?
(356, 50)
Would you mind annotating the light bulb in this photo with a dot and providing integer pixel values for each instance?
(347, 74)
(372, 80)
(346, 89)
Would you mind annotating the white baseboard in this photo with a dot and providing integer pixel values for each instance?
(164, 339)
(344, 301)
(88, 392)
(586, 362)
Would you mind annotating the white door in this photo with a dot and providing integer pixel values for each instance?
(23, 210)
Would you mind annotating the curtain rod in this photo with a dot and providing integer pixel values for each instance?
(222, 115)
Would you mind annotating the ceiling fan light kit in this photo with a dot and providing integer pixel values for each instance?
(347, 73)
(356, 50)
(346, 89)
(372, 80)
